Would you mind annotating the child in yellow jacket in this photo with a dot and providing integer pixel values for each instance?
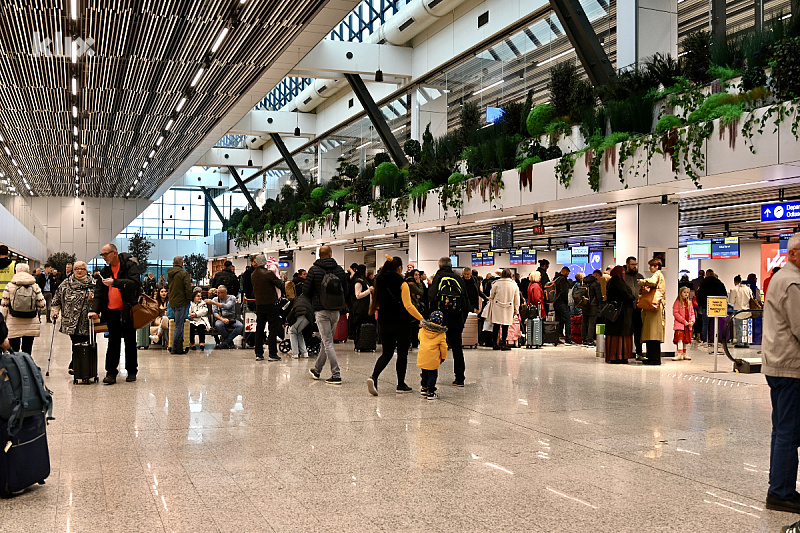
(432, 351)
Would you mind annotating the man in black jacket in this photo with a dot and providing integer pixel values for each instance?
(227, 277)
(453, 320)
(472, 291)
(327, 319)
(264, 283)
(544, 264)
(561, 305)
(590, 311)
(114, 296)
(46, 281)
(711, 286)
(247, 283)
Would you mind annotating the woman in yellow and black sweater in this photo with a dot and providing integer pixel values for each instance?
(392, 299)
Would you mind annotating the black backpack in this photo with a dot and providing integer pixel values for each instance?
(580, 296)
(331, 297)
(449, 296)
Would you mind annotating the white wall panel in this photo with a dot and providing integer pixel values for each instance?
(66, 224)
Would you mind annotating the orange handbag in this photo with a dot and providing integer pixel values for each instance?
(144, 312)
(648, 299)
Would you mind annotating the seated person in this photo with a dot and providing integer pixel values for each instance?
(198, 323)
(160, 326)
(223, 308)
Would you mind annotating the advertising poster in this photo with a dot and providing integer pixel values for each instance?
(771, 257)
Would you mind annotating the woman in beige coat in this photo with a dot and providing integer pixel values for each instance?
(22, 330)
(654, 322)
(503, 307)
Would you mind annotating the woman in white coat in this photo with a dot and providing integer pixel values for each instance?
(503, 307)
(198, 320)
(22, 328)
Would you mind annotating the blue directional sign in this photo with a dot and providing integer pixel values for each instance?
(782, 211)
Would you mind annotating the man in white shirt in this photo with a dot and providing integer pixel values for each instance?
(739, 298)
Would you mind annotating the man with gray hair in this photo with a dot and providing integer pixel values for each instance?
(781, 347)
(224, 316)
(448, 293)
(180, 297)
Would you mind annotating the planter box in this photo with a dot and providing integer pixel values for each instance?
(788, 145)
(579, 184)
(609, 179)
(476, 204)
(723, 158)
(433, 209)
(544, 184)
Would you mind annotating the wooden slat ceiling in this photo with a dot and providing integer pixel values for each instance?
(145, 55)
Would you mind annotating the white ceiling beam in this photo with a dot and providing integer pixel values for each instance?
(262, 122)
(329, 60)
(234, 157)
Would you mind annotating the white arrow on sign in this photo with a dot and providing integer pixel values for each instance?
(767, 211)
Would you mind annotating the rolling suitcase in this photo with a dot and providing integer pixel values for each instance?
(367, 338)
(469, 337)
(550, 333)
(575, 328)
(84, 359)
(186, 340)
(143, 338)
(534, 337)
(514, 332)
(340, 335)
(26, 458)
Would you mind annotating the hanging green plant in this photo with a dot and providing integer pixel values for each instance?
(318, 193)
(456, 177)
(565, 168)
(668, 122)
(380, 209)
(538, 119)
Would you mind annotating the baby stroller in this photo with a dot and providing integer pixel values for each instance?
(310, 335)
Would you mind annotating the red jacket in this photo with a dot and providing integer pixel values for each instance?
(536, 297)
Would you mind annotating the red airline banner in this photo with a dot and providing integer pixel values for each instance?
(771, 257)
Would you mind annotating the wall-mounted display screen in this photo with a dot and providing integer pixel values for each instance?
(503, 236)
(523, 257)
(564, 257)
(454, 260)
(784, 244)
(483, 259)
(726, 248)
(580, 254)
(698, 249)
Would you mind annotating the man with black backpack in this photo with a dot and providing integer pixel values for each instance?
(448, 293)
(326, 287)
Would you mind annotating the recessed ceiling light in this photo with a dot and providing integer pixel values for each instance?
(160, 140)
(74, 86)
(75, 145)
(74, 111)
(197, 76)
(219, 40)
(8, 152)
(145, 164)
(151, 154)
(169, 124)
(181, 103)
(75, 130)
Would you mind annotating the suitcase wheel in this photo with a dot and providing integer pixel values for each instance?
(96, 379)
(74, 381)
(285, 346)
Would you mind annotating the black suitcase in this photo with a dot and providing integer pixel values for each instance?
(24, 458)
(550, 332)
(84, 359)
(367, 338)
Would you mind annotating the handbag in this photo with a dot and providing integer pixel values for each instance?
(610, 311)
(144, 312)
(649, 299)
(532, 312)
(755, 304)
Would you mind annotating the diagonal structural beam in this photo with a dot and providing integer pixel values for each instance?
(587, 46)
(213, 205)
(376, 117)
(287, 156)
(243, 187)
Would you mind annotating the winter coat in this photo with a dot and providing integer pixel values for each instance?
(149, 285)
(432, 345)
(433, 290)
(620, 293)
(781, 346)
(313, 284)
(503, 302)
(21, 327)
(711, 286)
(180, 287)
(72, 302)
(739, 298)
(301, 307)
(682, 316)
(201, 310)
(265, 285)
(359, 307)
(563, 288)
(536, 297)
(7, 267)
(127, 281)
(654, 322)
(42, 278)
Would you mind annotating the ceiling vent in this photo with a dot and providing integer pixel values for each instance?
(406, 24)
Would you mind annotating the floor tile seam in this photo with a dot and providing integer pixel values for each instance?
(627, 459)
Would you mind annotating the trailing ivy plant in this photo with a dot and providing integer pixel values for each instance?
(565, 168)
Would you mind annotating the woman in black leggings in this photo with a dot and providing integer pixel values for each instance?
(392, 299)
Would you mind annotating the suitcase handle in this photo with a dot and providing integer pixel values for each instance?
(92, 334)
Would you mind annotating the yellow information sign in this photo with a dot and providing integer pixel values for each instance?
(717, 306)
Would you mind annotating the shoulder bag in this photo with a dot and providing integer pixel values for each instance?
(144, 312)
(610, 311)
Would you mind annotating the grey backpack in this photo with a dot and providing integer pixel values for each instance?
(22, 390)
(24, 303)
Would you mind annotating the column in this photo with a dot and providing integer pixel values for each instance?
(425, 250)
(646, 230)
(644, 28)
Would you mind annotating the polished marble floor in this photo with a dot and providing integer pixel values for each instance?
(538, 440)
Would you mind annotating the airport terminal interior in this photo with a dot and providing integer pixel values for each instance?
(519, 142)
